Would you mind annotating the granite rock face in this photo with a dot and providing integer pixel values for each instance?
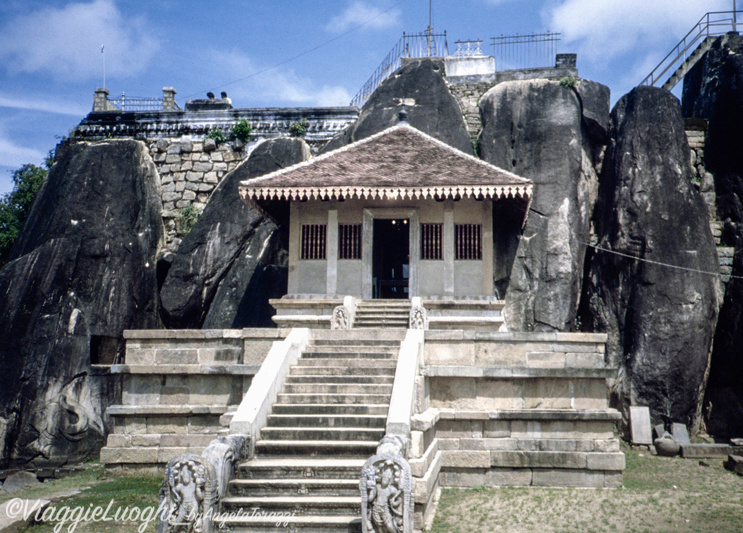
(231, 243)
(713, 90)
(431, 107)
(660, 319)
(83, 272)
(553, 135)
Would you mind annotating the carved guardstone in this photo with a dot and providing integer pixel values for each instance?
(418, 318)
(188, 496)
(387, 491)
(341, 317)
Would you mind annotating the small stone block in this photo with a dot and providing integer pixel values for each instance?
(680, 433)
(735, 464)
(640, 421)
(659, 430)
(605, 461)
(466, 459)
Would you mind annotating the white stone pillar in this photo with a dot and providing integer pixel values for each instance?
(488, 257)
(367, 254)
(295, 235)
(448, 244)
(331, 253)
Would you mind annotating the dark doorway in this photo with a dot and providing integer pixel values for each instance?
(391, 261)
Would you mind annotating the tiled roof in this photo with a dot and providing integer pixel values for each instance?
(399, 162)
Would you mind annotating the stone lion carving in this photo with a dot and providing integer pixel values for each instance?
(187, 496)
(387, 491)
(341, 317)
(418, 318)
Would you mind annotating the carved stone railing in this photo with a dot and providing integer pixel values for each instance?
(195, 484)
(386, 483)
(418, 314)
(344, 315)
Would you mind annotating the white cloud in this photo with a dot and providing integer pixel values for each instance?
(278, 86)
(360, 13)
(14, 155)
(603, 29)
(66, 42)
(44, 106)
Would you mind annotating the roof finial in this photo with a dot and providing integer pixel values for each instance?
(402, 116)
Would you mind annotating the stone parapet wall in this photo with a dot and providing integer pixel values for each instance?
(517, 409)
(179, 390)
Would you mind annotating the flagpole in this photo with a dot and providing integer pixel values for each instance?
(103, 51)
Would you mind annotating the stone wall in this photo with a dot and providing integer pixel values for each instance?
(179, 390)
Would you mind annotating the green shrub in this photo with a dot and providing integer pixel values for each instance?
(299, 127)
(217, 134)
(15, 206)
(242, 130)
(569, 82)
(187, 219)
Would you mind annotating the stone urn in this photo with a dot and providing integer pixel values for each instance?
(667, 445)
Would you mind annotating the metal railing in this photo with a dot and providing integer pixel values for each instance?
(712, 24)
(426, 44)
(137, 103)
(533, 50)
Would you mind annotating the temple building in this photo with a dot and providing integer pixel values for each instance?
(396, 215)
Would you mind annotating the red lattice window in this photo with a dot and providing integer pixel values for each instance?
(349, 241)
(314, 240)
(431, 241)
(468, 241)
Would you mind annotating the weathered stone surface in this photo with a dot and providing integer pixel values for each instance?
(713, 90)
(217, 244)
(430, 105)
(83, 272)
(538, 129)
(660, 319)
(19, 480)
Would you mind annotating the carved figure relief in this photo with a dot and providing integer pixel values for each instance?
(341, 317)
(418, 318)
(187, 495)
(386, 494)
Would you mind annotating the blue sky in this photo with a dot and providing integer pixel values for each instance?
(267, 53)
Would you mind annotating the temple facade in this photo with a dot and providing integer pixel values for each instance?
(396, 215)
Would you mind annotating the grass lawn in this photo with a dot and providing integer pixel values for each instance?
(660, 494)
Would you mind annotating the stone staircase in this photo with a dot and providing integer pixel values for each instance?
(382, 314)
(689, 63)
(328, 420)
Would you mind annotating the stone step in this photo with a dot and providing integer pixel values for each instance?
(330, 409)
(322, 433)
(327, 379)
(347, 362)
(323, 505)
(351, 354)
(302, 467)
(388, 342)
(333, 398)
(257, 523)
(298, 486)
(316, 448)
(352, 336)
(373, 369)
(352, 348)
(335, 388)
(327, 420)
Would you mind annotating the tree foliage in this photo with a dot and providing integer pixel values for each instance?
(16, 205)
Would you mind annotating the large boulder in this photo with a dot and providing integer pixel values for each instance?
(713, 90)
(83, 272)
(659, 310)
(431, 107)
(226, 245)
(554, 135)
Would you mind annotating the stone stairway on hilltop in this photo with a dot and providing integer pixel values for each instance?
(328, 420)
(382, 314)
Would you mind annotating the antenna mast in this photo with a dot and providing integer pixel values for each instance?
(429, 30)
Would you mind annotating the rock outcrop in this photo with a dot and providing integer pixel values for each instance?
(430, 105)
(83, 272)
(660, 318)
(231, 246)
(553, 135)
(713, 90)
